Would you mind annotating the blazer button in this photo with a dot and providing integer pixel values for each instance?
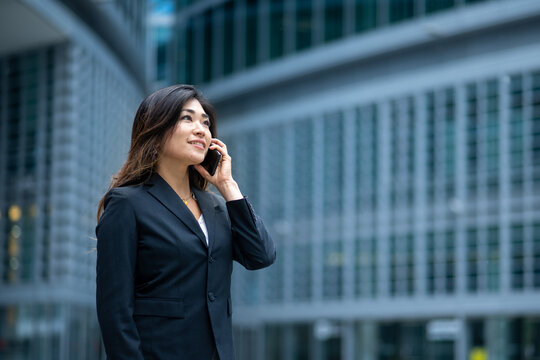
(211, 259)
(211, 296)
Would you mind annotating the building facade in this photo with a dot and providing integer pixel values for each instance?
(71, 78)
(393, 149)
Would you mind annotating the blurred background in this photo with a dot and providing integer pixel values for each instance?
(391, 146)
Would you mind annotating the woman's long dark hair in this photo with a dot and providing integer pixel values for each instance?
(152, 126)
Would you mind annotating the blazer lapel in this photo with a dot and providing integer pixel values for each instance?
(208, 208)
(162, 191)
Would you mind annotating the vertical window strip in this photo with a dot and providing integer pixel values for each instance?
(333, 165)
(251, 27)
(536, 254)
(333, 269)
(450, 261)
(272, 170)
(535, 127)
(431, 262)
(333, 20)
(492, 156)
(449, 142)
(304, 24)
(302, 270)
(208, 57)
(516, 134)
(365, 15)
(472, 260)
(438, 5)
(393, 262)
(472, 145)
(189, 50)
(401, 10)
(493, 245)
(409, 263)
(430, 147)
(517, 256)
(394, 155)
(410, 169)
(440, 263)
(277, 24)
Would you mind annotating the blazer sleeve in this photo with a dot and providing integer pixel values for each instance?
(116, 234)
(252, 246)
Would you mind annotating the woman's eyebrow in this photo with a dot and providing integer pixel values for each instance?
(204, 115)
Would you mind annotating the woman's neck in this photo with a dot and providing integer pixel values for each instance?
(176, 176)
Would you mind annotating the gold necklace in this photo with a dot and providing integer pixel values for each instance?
(186, 199)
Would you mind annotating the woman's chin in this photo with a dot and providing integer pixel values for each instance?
(196, 160)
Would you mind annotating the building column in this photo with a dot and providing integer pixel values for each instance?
(368, 339)
(461, 192)
(461, 341)
(288, 342)
(504, 188)
(420, 257)
(496, 335)
(318, 210)
(383, 174)
(349, 211)
(347, 340)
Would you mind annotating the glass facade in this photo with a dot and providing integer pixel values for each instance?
(65, 118)
(399, 181)
(407, 155)
(232, 36)
(386, 135)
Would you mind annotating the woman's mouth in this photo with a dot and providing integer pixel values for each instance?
(199, 144)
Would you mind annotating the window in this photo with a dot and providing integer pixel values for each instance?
(536, 254)
(304, 24)
(493, 274)
(472, 142)
(302, 267)
(437, 5)
(276, 28)
(472, 260)
(517, 135)
(303, 165)
(365, 266)
(366, 150)
(272, 167)
(401, 10)
(190, 51)
(333, 164)
(401, 264)
(366, 14)
(333, 269)
(333, 19)
(535, 126)
(228, 34)
(517, 256)
(251, 32)
(208, 44)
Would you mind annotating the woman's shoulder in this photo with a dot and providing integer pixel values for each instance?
(214, 197)
(123, 193)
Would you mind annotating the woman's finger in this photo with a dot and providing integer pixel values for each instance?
(220, 146)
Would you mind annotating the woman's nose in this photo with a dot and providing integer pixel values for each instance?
(198, 127)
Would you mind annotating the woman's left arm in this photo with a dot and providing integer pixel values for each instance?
(252, 246)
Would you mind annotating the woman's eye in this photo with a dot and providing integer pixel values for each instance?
(186, 117)
(206, 123)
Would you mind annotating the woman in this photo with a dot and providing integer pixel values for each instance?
(165, 245)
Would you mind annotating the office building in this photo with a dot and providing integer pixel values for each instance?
(393, 149)
(71, 77)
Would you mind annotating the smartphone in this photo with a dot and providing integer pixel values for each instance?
(211, 161)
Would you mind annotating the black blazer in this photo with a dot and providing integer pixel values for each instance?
(162, 293)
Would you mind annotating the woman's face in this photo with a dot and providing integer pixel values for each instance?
(190, 137)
